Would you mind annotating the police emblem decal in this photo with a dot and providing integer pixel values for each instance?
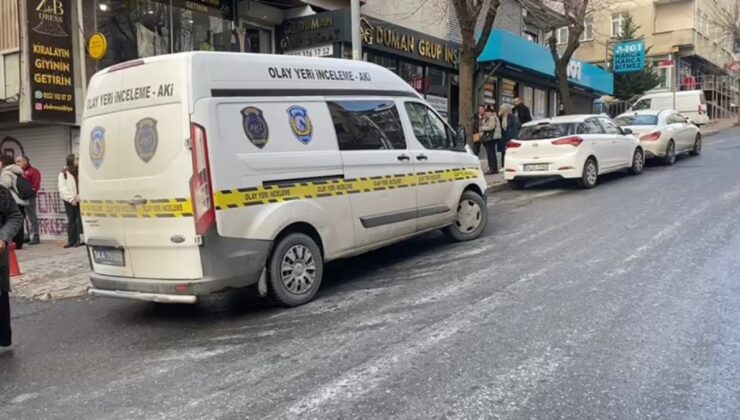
(300, 124)
(146, 139)
(97, 146)
(255, 126)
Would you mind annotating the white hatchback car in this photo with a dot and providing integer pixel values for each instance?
(580, 147)
(663, 134)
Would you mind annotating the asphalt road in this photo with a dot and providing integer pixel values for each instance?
(618, 302)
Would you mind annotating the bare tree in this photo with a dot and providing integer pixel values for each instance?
(728, 26)
(468, 14)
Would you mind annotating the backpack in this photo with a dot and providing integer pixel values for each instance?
(24, 189)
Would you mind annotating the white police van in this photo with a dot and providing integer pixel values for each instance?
(202, 172)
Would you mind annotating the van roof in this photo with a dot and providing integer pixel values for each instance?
(679, 93)
(247, 74)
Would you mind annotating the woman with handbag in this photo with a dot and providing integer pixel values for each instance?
(477, 133)
(491, 128)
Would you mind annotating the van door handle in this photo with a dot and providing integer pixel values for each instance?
(138, 201)
(421, 157)
(403, 157)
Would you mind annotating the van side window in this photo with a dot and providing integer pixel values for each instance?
(429, 129)
(642, 104)
(367, 125)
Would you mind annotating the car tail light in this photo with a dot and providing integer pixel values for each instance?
(655, 135)
(200, 184)
(574, 141)
(513, 144)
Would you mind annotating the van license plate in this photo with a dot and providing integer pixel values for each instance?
(108, 256)
(535, 167)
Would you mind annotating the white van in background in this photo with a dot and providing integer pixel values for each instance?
(689, 103)
(204, 171)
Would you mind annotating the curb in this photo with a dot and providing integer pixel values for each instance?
(498, 186)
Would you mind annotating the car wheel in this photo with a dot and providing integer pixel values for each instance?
(638, 162)
(516, 184)
(294, 270)
(590, 174)
(696, 151)
(471, 218)
(670, 153)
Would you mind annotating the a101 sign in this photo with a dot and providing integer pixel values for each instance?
(629, 56)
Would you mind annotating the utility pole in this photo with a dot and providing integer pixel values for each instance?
(356, 34)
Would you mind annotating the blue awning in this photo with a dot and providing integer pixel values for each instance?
(506, 47)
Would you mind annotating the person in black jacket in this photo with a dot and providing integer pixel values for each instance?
(521, 111)
(11, 220)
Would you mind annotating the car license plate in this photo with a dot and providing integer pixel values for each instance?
(108, 256)
(534, 167)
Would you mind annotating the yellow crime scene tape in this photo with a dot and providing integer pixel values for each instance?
(276, 193)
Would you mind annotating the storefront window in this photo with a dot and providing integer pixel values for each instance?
(489, 91)
(414, 75)
(384, 61)
(539, 110)
(509, 90)
(438, 82)
(253, 39)
(144, 28)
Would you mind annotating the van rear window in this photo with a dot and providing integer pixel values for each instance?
(367, 125)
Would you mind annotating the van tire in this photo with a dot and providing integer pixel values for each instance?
(474, 208)
(294, 288)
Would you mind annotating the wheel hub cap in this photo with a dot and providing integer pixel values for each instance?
(298, 269)
(468, 216)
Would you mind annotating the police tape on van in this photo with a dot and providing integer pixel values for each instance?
(203, 172)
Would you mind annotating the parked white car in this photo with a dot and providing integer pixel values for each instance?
(663, 134)
(580, 147)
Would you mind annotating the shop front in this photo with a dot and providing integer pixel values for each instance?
(511, 66)
(428, 64)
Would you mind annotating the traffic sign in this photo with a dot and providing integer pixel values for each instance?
(629, 56)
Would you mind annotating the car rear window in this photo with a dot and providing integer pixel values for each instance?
(546, 131)
(626, 120)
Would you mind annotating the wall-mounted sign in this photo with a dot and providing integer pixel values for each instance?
(97, 46)
(308, 32)
(629, 56)
(220, 8)
(48, 62)
(320, 51)
(665, 64)
(574, 70)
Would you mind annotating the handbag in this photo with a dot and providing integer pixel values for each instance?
(477, 137)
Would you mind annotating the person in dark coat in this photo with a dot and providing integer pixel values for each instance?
(11, 220)
(477, 123)
(521, 111)
(509, 129)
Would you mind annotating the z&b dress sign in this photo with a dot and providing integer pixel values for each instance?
(48, 63)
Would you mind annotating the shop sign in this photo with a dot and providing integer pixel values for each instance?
(97, 46)
(439, 103)
(313, 31)
(392, 38)
(665, 64)
(48, 70)
(320, 51)
(220, 8)
(629, 56)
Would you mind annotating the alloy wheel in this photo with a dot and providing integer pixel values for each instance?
(298, 269)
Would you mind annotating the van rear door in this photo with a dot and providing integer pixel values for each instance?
(150, 165)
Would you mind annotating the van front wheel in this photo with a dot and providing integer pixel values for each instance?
(471, 218)
(295, 269)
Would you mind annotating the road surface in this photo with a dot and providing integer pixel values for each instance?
(618, 302)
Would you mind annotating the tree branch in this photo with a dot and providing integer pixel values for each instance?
(487, 25)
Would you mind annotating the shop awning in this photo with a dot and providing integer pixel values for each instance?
(510, 49)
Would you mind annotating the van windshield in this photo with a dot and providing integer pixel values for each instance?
(643, 104)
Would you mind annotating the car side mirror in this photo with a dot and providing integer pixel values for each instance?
(688, 120)
(461, 138)
(627, 131)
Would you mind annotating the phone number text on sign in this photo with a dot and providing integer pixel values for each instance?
(322, 51)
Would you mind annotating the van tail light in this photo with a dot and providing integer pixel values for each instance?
(513, 144)
(574, 141)
(201, 189)
(655, 135)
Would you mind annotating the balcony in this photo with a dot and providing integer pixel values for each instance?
(663, 42)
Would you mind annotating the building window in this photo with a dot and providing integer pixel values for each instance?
(618, 24)
(414, 75)
(367, 125)
(562, 35)
(532, 37)
(384, 61)
(664, 73)
(588, 29)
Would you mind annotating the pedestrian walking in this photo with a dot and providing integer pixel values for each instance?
(521, 111)
(69, 191)
(477, 133)
(11, 177)
(509, 129)
(561, 109)
(491, 129)
(11, 221)
(33, 176)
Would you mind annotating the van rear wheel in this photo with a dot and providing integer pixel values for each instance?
(295, 270)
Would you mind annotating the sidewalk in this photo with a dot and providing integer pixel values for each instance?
(51, 272)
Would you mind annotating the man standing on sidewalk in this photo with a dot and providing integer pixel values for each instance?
(521, 111)
(11, 221)
(33, 176)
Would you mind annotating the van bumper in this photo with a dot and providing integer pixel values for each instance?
(227, 264)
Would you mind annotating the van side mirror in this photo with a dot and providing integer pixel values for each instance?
(461, 138)
(627, 131)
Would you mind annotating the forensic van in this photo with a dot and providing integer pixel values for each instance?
(204, 172)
